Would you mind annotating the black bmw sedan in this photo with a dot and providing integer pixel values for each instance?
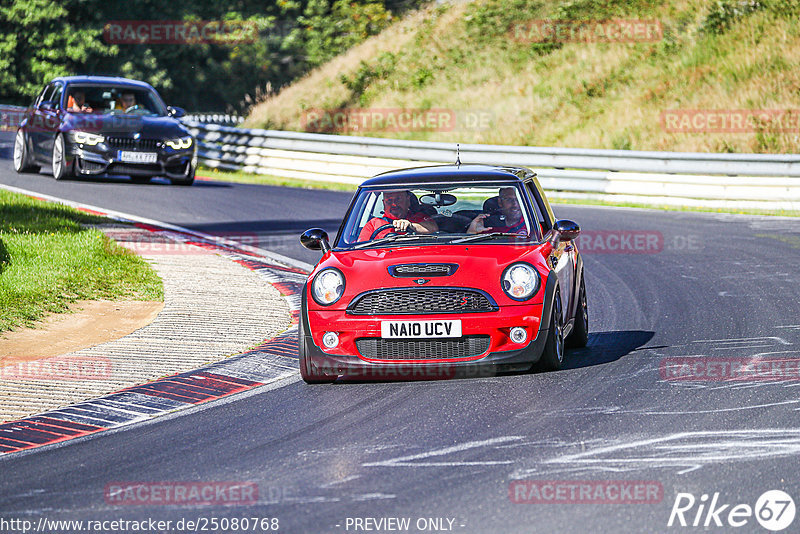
(96, 125)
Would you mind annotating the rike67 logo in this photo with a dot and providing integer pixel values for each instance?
(774, 510)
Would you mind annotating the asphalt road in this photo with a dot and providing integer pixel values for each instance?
(713, 286)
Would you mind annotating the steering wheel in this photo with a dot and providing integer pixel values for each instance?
(410, 230)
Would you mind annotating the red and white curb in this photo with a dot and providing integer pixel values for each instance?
(273, 361)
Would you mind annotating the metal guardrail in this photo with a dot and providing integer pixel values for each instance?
(763, 179)
(224, 119)
(769, 181)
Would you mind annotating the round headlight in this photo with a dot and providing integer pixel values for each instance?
(328, 286)
(520, 281)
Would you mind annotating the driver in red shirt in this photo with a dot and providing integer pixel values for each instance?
(395, 212)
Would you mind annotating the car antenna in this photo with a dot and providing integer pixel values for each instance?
(458, 154)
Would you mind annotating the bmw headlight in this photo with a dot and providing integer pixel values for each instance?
(87, 138)
(520, 281)
(328, 286)
(180, 143)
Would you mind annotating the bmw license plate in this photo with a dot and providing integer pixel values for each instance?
(137, 157)
(420, 329)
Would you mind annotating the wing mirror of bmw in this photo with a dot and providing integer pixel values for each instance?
(176, 112)
(567, 230)
(316, 239)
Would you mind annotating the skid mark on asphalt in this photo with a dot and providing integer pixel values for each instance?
(681, 452)
(410, 460)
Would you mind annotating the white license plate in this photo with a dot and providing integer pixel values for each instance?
(420, 329)
(137, 157)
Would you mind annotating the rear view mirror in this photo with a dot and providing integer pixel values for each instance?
(567, 230)
(438, 199)
(315, 239)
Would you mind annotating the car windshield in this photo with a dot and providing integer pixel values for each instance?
(451, 214)
(111, 99)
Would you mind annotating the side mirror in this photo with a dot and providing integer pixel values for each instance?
(316, 239)
(176, 112)
(567, 230)
(47, 105)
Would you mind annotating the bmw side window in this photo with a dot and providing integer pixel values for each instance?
(57, 95)
(46, 94)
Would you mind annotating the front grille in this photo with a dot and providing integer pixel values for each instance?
(126, 143)
(422, 349)
(413, 270)
(134, 168)
(421, 301)
(91, 166)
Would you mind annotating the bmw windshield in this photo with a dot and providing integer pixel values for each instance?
(415, 215)
(113, 100)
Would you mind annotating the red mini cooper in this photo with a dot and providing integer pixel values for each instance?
(440, 270)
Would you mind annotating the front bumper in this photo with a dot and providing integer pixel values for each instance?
(104, 159)
(502, 354)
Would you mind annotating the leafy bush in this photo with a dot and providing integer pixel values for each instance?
(327, 29)
(384, 66)
(725, 13)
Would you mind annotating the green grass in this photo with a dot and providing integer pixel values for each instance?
(666, 207)
(268, 179)
(48, 260)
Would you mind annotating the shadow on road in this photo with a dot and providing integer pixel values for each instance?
(605, 347)
(268, 226)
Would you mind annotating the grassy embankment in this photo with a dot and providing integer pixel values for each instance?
(48, 260)
(714, 55)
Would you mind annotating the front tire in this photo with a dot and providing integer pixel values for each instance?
(580, 333)
(61, 171)
(21, 156)
(553, 354)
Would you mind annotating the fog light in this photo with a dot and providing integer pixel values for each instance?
(330, 339)
(518, 334)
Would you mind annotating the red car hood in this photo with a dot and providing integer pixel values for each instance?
(479, 266)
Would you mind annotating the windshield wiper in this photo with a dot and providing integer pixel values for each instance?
(389, 239)
(479, 237)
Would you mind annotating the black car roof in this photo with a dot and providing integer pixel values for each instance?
(449, 174)
(103, 80)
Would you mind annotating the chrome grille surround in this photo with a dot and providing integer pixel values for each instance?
(422, 301)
